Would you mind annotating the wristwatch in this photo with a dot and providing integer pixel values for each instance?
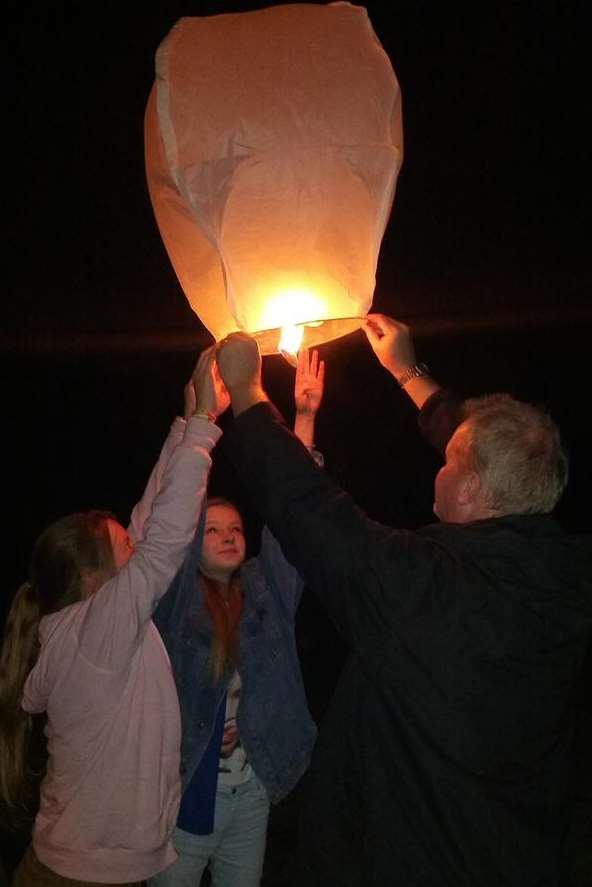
(414, 372)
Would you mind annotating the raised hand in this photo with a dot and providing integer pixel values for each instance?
(391, 342)
(189, 399)
(308, 394)
(309, 382)
(239, 362)
(210, 391)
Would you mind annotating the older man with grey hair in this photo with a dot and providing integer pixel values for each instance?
(442, 760)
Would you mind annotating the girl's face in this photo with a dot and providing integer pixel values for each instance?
(122, 549)
(223, 549)
(121, 544)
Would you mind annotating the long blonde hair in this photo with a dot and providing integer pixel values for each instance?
(225, 612)
(67, 548)
(224, 605)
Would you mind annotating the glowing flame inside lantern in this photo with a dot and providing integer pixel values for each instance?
(290, 309)
(291, 339)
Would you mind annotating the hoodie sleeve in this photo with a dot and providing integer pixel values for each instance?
(439, 418)
(143, 508)
(113, 621)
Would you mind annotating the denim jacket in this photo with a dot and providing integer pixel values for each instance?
(275, 726)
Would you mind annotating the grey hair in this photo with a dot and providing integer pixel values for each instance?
(516, 449)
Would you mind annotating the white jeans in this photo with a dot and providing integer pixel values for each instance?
(236, 848)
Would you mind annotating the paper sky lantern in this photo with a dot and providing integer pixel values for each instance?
(273, 145)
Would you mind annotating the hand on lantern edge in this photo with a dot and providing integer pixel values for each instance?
(189, 399)
(391, 342)
(210, 392)
(239, 362)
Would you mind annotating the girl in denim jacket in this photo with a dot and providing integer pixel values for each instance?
(247, 733)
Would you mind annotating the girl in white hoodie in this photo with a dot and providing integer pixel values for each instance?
(100, 672)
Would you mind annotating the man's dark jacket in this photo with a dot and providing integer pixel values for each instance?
(442, 759)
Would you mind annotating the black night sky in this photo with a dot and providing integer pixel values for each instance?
(486, 255)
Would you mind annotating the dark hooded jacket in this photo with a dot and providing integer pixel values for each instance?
(442, 760)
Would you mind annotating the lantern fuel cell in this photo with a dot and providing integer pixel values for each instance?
(273, 145)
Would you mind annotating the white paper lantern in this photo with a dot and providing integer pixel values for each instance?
(273, 144)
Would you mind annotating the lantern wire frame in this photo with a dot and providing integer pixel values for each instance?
(316, 332)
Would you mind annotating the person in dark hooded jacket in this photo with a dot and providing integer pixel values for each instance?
(442, 761)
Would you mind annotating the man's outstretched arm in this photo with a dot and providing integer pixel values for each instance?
(342, 555)
(440, 409)
(392, 343)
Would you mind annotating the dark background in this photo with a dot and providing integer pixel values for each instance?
(486, 255)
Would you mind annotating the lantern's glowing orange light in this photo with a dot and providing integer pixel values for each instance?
(290, 309)
(291, 339)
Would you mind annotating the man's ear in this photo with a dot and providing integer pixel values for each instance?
(469, 489)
